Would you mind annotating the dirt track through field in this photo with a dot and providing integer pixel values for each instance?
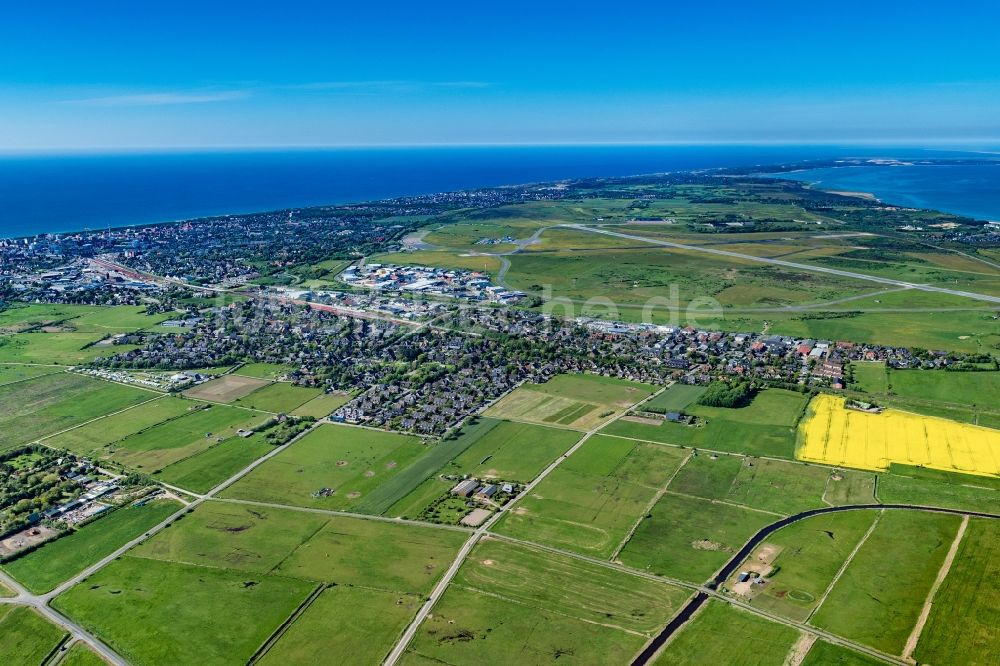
(925, 612)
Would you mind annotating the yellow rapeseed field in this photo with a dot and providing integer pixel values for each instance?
(835, 435)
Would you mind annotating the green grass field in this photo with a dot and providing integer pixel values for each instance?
(809, 554)
(263, 370)
(962, 627)
(154, 612)
(878, 598)
(81, 655)
(828, 654)
(51, 403)
(677, 398)
(93, 437)
(26, 637)
(55, 562)
(689, 538)
(359, 624)
(513, 603)
(766, 427)
(279, 397)
(914, 485)
(352, 462)
(760, 483)
(202, 472)
(14, 373)
(722, 634)
(870, 377)
(322, 406)
(168, 442)
(574, 401)
(590, 502)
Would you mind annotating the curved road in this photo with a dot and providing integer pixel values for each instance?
(727, 570)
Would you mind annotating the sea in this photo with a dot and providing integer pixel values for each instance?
(48, 193)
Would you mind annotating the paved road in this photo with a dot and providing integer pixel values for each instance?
(736, 560)
(791, 264)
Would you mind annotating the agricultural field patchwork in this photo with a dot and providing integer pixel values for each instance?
(593, 499)
(835, 435)
(94, 438)
(505, 594)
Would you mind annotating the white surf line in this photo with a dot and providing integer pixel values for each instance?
(847, 562)
(411, 631)
(911, 642)
(791, 264)
(649, 507)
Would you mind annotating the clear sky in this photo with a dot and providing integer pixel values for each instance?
(110, 74)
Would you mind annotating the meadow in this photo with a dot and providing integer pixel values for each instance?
(322, 405)
(690, 538)
(677, 398)
(926, 487)
(203, 471)
(835, 435)
(263, 370)
(81, 655)
(189, 434)
(590, 502)
(512, 603)
(879, 596)
(279, 397)
(97, 435)
(226, 388)
(350, 462)
(43, 569)
(48, 404)
(11, 373)
(765, 427)
(722, 634)
(961, 628)
(577, 401)
(26, 637)
(810, 553)
(828, 654)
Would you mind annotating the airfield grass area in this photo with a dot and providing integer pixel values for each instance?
(574, 401)
(927, 487)
(44, 568)
(515, 604)
(878, 598)
(722, 634)
(26, 637)
(187, 435)
(279, 397)
(350, 462)
(590, 502)
(765, 427)
(93, 437)
(689, 538)
(804, 557)
(761, 483)
(226, 388)
(835, 435)
(962, 626)
(203, 471)
(356, 624)
(51, 403)
(154, 612)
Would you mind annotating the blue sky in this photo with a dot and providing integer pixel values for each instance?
(138, 74)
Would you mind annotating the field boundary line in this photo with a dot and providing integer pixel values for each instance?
(28, 379)
(728, 503)
(649, 507)
(41, 440)
(283, 628)
(925, 611)
(847, 562)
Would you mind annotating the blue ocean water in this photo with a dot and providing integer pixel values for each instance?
(49, 193)
(973, 191)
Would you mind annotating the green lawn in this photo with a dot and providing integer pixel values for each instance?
(279, 397)
(870, 376)
(877, 600)
(913, 485)
(590, 502)
(962, 627)
(810, 553)
(92, 437)
(195, 431)
(512, 604)
(689, 538)
(962, 388)
(722, 634)
(43, 569)
(677, 398)
(26, 637)
(352, 462)
(51, 403)
(202, 472)
(154, 612)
